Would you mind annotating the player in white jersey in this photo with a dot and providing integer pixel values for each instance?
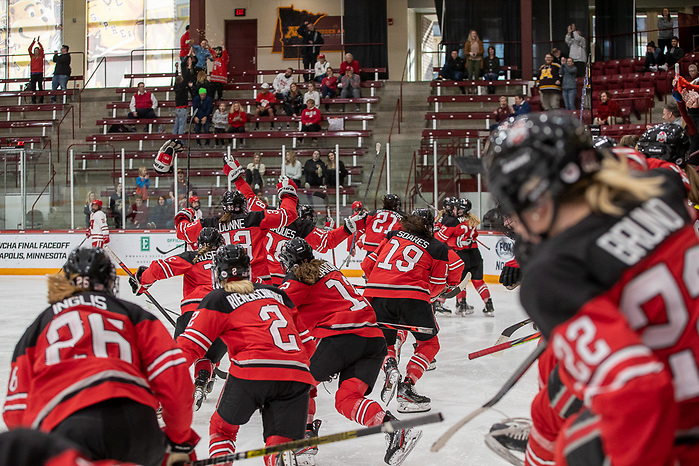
(98, 231)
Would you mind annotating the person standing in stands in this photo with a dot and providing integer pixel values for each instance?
(665, 26)
(61, 73)
(181, 105)
(569, 86)
(473, 51)
(219, 73)
(491, 68)
(36, 67)
(577, 49)
(314, 39)
(185, 44)
(549, 83)
(202, 53)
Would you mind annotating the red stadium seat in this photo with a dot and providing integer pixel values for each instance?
(600, 82)
(615, 82)
(611, 67)
(626, 66)
(597, 68)
(632, 81)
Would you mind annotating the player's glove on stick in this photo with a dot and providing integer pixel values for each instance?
(355, 222)
(136, 282)
(179, 453)
(286, 187)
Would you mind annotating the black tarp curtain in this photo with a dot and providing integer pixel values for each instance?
(366, 22)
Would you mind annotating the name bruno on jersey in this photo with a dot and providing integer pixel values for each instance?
(638, 233)
(236, 300)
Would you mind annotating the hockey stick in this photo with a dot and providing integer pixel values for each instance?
(387, 427)
(128, 272)
(444, 438)
(410, 328)
(458, 288)
(169, 250)
(504, 346)
(366, 193)
(507, 333)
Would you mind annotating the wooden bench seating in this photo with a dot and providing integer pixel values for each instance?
(480, 84)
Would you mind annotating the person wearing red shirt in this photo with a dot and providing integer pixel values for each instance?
(349, 62)
(328, 87)
(36, 67)
(268, 346)
(219, 72)
(264, 101)
(606, 109)
(310, 119)
(185, 44)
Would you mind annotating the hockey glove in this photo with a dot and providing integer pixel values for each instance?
(286, 187)
(511, 275)
(450, 291)
(166, 156)
(179, 453)
(185, 215)
(136, 282)
(354, 222)
(236, 170)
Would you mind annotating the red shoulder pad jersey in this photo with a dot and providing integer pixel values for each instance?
(456, 234)
(627, 339)
(407, 266)
(262, 330)
(378, 223)
(332, 306)
(197, 279)
(94, 347)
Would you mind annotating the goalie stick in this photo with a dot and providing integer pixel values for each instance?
(504, 346)
(169, 250)
(507, 333)
(386, 427)
(526, 364)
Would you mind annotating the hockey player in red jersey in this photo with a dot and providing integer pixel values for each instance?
(407, 269)
(98, 231)
(611, 284)
(351, 344)
(381, 221)
(266, 344)
(195, 268)
(94, 369)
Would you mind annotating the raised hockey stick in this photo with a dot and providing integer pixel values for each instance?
(410, 328)
(169, 250)
(504, 346)
(386, 427)
(507, 333)
(444, 438)
(148, 295)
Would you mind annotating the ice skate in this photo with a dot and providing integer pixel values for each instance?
(392, 380)
(432, 366)
(409, 401)
(305, 456)
(509, 436)
(200, 384)
(210, 385)
(463, 308)
(439, 309)
(400, 443)
(286, 458)
(489, 310)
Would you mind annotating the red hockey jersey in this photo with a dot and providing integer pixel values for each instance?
(197, 278)
(94, 347)
(407, 266)
(331, 306)
(262, 330)
(378, 223)
(456, 233)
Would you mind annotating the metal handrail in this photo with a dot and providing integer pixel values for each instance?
(80, 94)
(72, 112)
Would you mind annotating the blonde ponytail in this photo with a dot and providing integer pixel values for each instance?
(240, 287)
(60, 288)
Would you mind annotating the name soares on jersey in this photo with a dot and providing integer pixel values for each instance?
(99, 302)
(640, 231)
(415, 239)
(236, 300)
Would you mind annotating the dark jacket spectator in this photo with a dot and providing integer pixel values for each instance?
(521, 106)
(674, 54)
(330, 171)
(310, 53)
(293, 101)
(314, 170)
(139, 214)
(116, 205)
(653, 57)
(162, 214)
(454, 68)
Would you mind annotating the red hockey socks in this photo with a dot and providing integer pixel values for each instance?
(461, 295)
(351, 403)
(270, 460)
(222, 436)
(391, 353)
(312, 405)
(482, 289)
(424, 353)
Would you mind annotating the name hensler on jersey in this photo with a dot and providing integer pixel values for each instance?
(637, 233)
(415, 239)
(236, 300)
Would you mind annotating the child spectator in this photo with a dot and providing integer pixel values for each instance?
(350, 87)
(314, 170)
(569, 85)
(293, 103)
(202, 107)
(139, 213)
(254, 172)
(36, 68)
(330, 171)
(292, 168)
(237, 119)
(606, 110)
(116, 205)
(201, 54)
(161, 215)
(349, 62)
(220, 120)
(265, 105)
(282, 82)
(310, 119)
(312, 93)
(321, 68)
(142, 183)
(329, 87)
(219, 73)
(181, 105)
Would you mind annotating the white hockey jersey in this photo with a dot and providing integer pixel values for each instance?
(98, 231)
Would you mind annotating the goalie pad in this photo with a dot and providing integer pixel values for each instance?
(166, 156)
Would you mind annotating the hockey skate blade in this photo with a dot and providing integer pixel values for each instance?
(400, 456)
(305, 459)
(409, 408)
(390, 387)
(502, 451)
(199, 397)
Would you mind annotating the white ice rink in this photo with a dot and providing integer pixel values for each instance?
(457, 387)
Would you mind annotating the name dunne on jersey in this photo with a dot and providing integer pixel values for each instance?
(638, 233)
(236, 300)
(99, 302)
(234, 224)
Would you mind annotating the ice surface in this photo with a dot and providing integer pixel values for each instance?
(457, 387)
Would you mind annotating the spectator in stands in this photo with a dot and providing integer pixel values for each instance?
(653, 57)
(665, 27)
(87, 210)
(254, 172)
(549, 83)
(181, 105)
(309, 53)
(329, 87)
(312, 93)
(188, 74)
(314, 171)
(607, 110)
(181, 189)
(569, 84)
(320, 68)
(143, 183)
(36, 68)
(629, 140)
(185, 44)
(350, 87)
(202, 53)
(219, 72)
(293, 103)
(116, 204)
(349, 62)
(693, 74)
(292, 168)
(521, 106)
(202, 107)
(264, 105)
(139, 213)
(61, 74)
(454, 68)
(557, 56)
(161, 215)
(473, 51)
(237, 119)
(577, 48)
(491, 68)
(310, 119)
(220, 121)
(143, 104)
(282, 83)
(675, 53)
(671, 114)
(330, 171)
(501, 113)
(202, 83)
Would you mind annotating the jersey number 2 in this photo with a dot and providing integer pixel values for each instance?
(272, 311)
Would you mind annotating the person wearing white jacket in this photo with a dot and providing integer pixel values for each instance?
(577, 49)
(98, 231)
(282, 83)
(320, 68)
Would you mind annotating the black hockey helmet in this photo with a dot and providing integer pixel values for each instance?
(448, 204)
(427, 215)
(295, 251)
(232, 262)
(306, 212)
(211, 237)
(234, 202)
(667, 142)
(463, 205)
(604, 142)
(92, 269)
(539, 153)
(391, 202)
